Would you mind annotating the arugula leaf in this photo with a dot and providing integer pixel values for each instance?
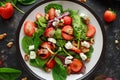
(36, 38)
(60, 42)
(38, 62)
(26, 42)
(58, 61)
(53, 5)
(59, 72)
(26, 2)
(89, 54)
(9, 73)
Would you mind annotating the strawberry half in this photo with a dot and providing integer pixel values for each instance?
(49, 32)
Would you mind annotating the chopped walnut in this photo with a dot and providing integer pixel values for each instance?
(87, 60)
(47, 69)
(10, 44)
(2, 36)
(92, 41)
(68, 70)
(26, 57)
(83, 1)
(86, 21)
(74, 43)
(46, 16)
(25, 78)
(84, 49)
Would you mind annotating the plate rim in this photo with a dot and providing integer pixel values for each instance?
(92, 71)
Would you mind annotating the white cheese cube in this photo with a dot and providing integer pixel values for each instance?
(31, 47)
(68, 59)
(52, 40)
(83, 56)
(32, 55)
(68, 45)
(57, 12)
(85, 44)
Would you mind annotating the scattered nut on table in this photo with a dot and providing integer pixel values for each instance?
(2, 36)
(10, 44)
(25, 78)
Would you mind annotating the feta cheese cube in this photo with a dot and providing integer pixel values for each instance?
(83, 56)
(32, 55)
(31, 47)
(52, 40)
(68, 45)
(85, 44)
(68, 59)
(57, 12)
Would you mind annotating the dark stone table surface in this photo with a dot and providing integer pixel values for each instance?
(110, 64)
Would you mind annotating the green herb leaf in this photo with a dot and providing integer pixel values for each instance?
(53, 5)
(57, 34)
(26, 2)
(36, 38)
(9, 73)
(89, 54)
(38, 62)
(59, 72)
(26, 42)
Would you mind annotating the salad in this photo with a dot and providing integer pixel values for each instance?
(59, 40)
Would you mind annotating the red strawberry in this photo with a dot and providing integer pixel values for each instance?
(67, 32)
(49, 32)
(43, 53)
(6, 10)
(75, 49)
(50, 64)
(90, 30)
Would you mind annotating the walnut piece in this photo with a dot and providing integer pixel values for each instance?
(10, 44)
(2, 36)
(25, 78)
(26, 57)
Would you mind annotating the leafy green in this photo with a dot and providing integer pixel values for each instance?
(41, 22)
(36, 38)
(38, 62)
(26, 2)
(59, 72)
(58, 61)
(57, 34)
(60, 42)
(26, 42)
(89, 54)
(9, 73)
(53, 5)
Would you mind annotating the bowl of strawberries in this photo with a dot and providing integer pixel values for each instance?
(55, 39)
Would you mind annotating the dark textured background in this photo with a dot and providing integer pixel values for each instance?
(110, 64)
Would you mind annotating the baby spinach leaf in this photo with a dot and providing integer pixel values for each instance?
(38, 62)
(59, 72)
(26, 42)
(36, 38)
(89, 54)
(9, 73)
(26, 2)
(60, 42)
(53, 5)
(57, 34)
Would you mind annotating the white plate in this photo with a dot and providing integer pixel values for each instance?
(98, 46)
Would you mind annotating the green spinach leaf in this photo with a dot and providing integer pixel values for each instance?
(26, 42)
(9, 73)
(89, 54)
(26, 2)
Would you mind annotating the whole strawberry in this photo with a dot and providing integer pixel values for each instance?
(109, 15)
(6, 10)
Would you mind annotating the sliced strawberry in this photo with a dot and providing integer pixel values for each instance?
(76, 66)
(90, 30)
(43, 53)
(50, 64)
(67, 37)
(46, 45)
(67, 20)
(49, 32)
(67, 32)
(51, 13)
(29, 28)
(38, 15)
